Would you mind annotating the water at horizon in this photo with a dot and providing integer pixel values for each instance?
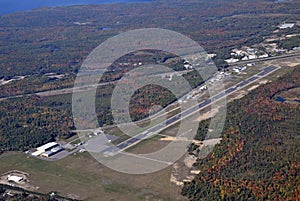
(11, 6)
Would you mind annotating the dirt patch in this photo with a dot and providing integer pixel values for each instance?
(291, 64)
(237, 95)
(253, 87)
(174, 138)
(208, 114)
(10, 177)
(190, 160)
(288, 62)
(264, 81)
(180, 174)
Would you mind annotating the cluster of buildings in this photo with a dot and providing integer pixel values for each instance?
(48, 150)
(239, 69)
(268, 48)
(271, 44)
(217, 76)
(245, 54)
(196, 92)
(188, 66)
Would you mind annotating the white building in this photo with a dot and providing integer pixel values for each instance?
(51, 147)
(286, 25)
(251, 64)
(239, 69)
(237, 52)
(47, 146)
(56, 149)
(210, 56)
(47, 154)
(296, 48)
(252, 57)
(52, 152)
(264, 56)
(231, 60)
(37, 153)
(14, 178)
(188, 66)
(202, 88)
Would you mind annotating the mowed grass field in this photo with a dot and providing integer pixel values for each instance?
(80, 175)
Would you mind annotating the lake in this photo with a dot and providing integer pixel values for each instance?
(11, 6)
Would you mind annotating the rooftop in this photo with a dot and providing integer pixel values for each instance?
(286, 25)
(47, 146)
(14, 178)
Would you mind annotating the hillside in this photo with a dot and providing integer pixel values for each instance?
(57, 40)
(259, 156)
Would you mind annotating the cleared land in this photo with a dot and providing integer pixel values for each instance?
(80, 176)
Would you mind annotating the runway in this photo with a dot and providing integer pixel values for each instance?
(184, 114)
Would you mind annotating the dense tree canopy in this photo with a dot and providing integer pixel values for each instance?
(258, 158)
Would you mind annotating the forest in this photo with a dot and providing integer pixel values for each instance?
(28, 124)
(289, 43)
(258, 157)
(30, 121)
(50, 40)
